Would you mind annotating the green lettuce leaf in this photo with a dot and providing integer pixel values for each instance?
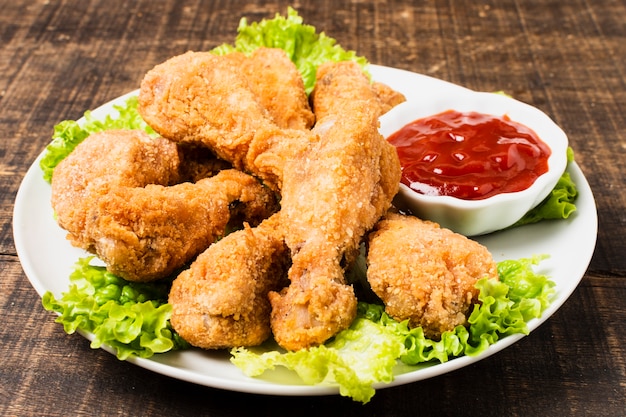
(306, 48)
(133, 318)
(345, 361)
(367, 352)
(69, 133)
(559, 204)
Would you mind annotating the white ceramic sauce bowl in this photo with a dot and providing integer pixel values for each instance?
(477, 217)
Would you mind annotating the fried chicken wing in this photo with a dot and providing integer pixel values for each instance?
(232, 106)
(333, 192)
(426, 274)
(221, 300)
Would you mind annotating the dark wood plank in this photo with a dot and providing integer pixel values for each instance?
(60, 58)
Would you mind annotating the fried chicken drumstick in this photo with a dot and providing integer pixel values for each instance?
(148, 233)
(333, 192)
(221, 300)
(104, 161)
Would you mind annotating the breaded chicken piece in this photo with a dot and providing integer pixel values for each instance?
(333, 192)
(104, 161)
(216, 100)
(338, 86)
(276, 83)
(221, 300)
(424, 273)
(117, 196)
(148, 233)
(338, 82)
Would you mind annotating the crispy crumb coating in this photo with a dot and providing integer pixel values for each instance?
(277, 85)
(117, 194)
(332, 194)
(221, 300)
(148, 233)
(424, 273)
(252, 112)
(388, 98)
(104, 161)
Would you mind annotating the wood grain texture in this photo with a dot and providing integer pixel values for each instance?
(60, 58)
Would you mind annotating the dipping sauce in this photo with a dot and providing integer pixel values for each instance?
(469, 155)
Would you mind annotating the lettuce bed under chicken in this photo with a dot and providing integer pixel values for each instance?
(367, 352)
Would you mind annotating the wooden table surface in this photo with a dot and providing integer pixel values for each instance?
(568, 58)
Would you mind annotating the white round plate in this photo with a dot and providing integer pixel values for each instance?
(48, 259)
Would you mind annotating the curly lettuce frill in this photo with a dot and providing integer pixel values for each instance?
(129, 317)
(306, 48)
(559, 204)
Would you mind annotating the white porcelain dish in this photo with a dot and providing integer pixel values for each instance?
(477, 217)
(48, 259)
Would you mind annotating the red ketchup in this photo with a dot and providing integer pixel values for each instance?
(470, 155)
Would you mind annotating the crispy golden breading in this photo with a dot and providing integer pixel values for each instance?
(424, 273)
(202, 97)
(388, 98)
(276, 83)
(333, 192)
(221, 300)
(103, 161)
(147, 233)
(117, 196)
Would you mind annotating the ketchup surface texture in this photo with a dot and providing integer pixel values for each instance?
(469, 155)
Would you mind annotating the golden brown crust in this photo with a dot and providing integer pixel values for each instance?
(426, 274)
(221, 300)
(387, 96)
(332, 194)
(251, 119)
(104, 161)
(148, 233)
(117, 196)
(278, 86)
